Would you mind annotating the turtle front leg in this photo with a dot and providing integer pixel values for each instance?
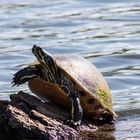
(76, 111)
(68, 86)
(24, 75)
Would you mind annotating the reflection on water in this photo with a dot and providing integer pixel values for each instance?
(107, 33)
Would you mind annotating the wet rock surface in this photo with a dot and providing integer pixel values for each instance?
(26, 116)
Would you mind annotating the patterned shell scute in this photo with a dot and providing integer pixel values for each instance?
(87, 75)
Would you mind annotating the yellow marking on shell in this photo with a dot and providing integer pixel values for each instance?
(103, 94)
(28, 77)
(104, 98)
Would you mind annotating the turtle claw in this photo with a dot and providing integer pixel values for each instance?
(73, 124)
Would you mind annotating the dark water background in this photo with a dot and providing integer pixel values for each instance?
(106, 32)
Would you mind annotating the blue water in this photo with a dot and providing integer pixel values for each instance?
(105, 32)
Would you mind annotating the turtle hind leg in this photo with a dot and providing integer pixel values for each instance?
(50, 66)
(25, 75)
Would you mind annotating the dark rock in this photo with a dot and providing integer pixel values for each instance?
(27, 117)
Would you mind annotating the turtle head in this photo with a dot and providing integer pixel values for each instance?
(40, 54)
(48, 63)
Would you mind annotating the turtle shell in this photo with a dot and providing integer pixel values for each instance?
(94, 94)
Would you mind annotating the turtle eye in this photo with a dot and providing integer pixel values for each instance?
(41, 52)
(38, 52)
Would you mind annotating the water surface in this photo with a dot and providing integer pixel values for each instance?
(105, 32)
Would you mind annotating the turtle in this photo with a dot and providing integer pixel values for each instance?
(71, 81)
